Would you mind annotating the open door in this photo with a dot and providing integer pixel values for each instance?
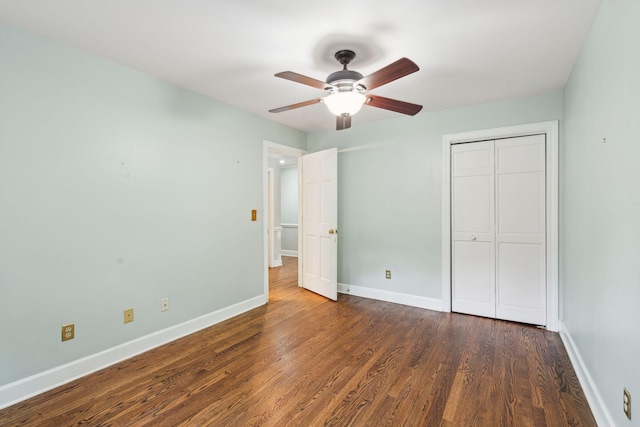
(319, 223)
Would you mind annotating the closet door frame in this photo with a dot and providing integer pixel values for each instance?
(550, 130)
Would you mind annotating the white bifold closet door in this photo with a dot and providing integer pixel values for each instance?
(498, 229)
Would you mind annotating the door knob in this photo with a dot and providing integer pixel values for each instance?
(473, 237)
(332, 231)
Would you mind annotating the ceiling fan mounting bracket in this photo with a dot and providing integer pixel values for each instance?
(344, 57)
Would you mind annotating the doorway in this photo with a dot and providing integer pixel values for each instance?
(279, 230)
(282, 212)
(550, 132)
(318, 205)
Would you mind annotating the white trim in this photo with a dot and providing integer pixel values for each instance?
(596, 403)
(343, 288)
(289, 252)
(300, 219)
(389, 296)
(550, 129)
(25, 388)
(272, 147)
(276, 241)
(270, 225)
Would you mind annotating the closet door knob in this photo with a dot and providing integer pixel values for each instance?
(473, 237)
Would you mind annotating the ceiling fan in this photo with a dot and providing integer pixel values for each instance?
(348, 90)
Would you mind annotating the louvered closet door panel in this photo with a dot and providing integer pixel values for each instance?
(473, 233)
(520, 229)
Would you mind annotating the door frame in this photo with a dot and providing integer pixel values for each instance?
(273, 233)
(550, 129)
(273, 147)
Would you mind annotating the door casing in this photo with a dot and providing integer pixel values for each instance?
(550, 129)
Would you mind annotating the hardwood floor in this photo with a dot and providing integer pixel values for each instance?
(302, 360)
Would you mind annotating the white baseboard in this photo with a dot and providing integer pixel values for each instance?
(25, 388)
(276, 263)
(596, 403)
(285, 252)
(388, 296)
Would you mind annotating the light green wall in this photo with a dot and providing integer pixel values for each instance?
(600, 227)
(117, 190)
(390, 190)
(289, 194)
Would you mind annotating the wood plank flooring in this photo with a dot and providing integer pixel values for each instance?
(302, 360)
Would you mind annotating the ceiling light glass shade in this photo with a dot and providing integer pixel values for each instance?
(344, 103)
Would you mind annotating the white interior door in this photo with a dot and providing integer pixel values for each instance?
(520, 229)
(472, 234)
(498, 229)
(319, 222)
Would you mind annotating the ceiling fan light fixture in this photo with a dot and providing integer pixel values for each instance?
(347, 90)
(345, 103)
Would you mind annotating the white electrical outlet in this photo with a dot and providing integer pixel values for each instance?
(164, 304)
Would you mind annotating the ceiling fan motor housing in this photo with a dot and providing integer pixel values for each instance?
(346, 76)
(344, 79)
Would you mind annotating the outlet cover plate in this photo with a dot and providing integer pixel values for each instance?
(626, 403)
(128, 315)
(68, 332)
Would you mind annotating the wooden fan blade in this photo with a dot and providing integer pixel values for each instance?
(299, 78)
(393, 105)
(402, 67)
(343, 122)
(294, 106)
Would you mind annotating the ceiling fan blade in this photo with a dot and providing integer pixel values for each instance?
(299, 78)
(343, 122)
(402, 67)
(294, 106)
(393, 105)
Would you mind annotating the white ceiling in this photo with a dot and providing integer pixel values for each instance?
(468, 51)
